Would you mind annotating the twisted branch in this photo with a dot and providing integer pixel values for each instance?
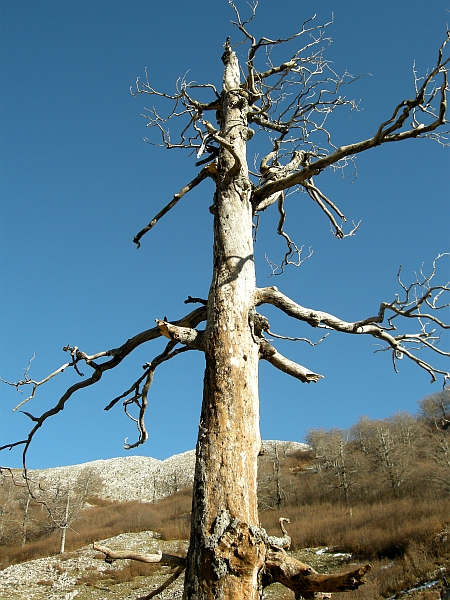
(426, 119)
(116, 354)
(380, 326)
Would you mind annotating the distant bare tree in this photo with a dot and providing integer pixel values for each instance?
(391, 447)
(287, 102)
(65, 501)
(9, 509)
(435, 409)
(274, 481)
(19, 519)
(439, 470)
(337, 466)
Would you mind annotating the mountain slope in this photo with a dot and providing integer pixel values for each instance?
(138, 478)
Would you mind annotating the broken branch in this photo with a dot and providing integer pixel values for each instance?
(207, 171)
(183, 335)
(269, 353)
(306, 581)
(400, 344)
(117, 354)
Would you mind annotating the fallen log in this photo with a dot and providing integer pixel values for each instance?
(161, 557)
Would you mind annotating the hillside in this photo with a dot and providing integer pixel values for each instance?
(404, 532)
(139, 478)
(84, 575)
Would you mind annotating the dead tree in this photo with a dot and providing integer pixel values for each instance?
(64, 501)
(288, 104)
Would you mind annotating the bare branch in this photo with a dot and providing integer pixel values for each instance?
(306, 581)
(184, 106)
(183, 335)
(117, 354)
(253, 77)
(381, 325)
(416, 295)
(269, 353)
(209, 171)
(35, 384)
(139, 397)
(278, 269)
(426, 119)
(283, 542)
(161, 557)
(165, 559)
(322, 200)
(292, 249)
(297, 339)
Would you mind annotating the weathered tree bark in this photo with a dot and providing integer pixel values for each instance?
(226, 551)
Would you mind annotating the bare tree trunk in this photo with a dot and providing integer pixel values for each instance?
(276, 468)
(226, 552)
(25, 521)
(65, 525)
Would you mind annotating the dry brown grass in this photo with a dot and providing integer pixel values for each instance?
(407, 542)
(370, 530)
(405, 539)
(169, 517)
(389, 577)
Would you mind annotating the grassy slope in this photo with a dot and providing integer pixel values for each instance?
(407, 540)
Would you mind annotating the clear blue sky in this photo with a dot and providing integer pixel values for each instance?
(77, 183)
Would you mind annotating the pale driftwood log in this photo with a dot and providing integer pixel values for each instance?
(161, 557)
(306, 581)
